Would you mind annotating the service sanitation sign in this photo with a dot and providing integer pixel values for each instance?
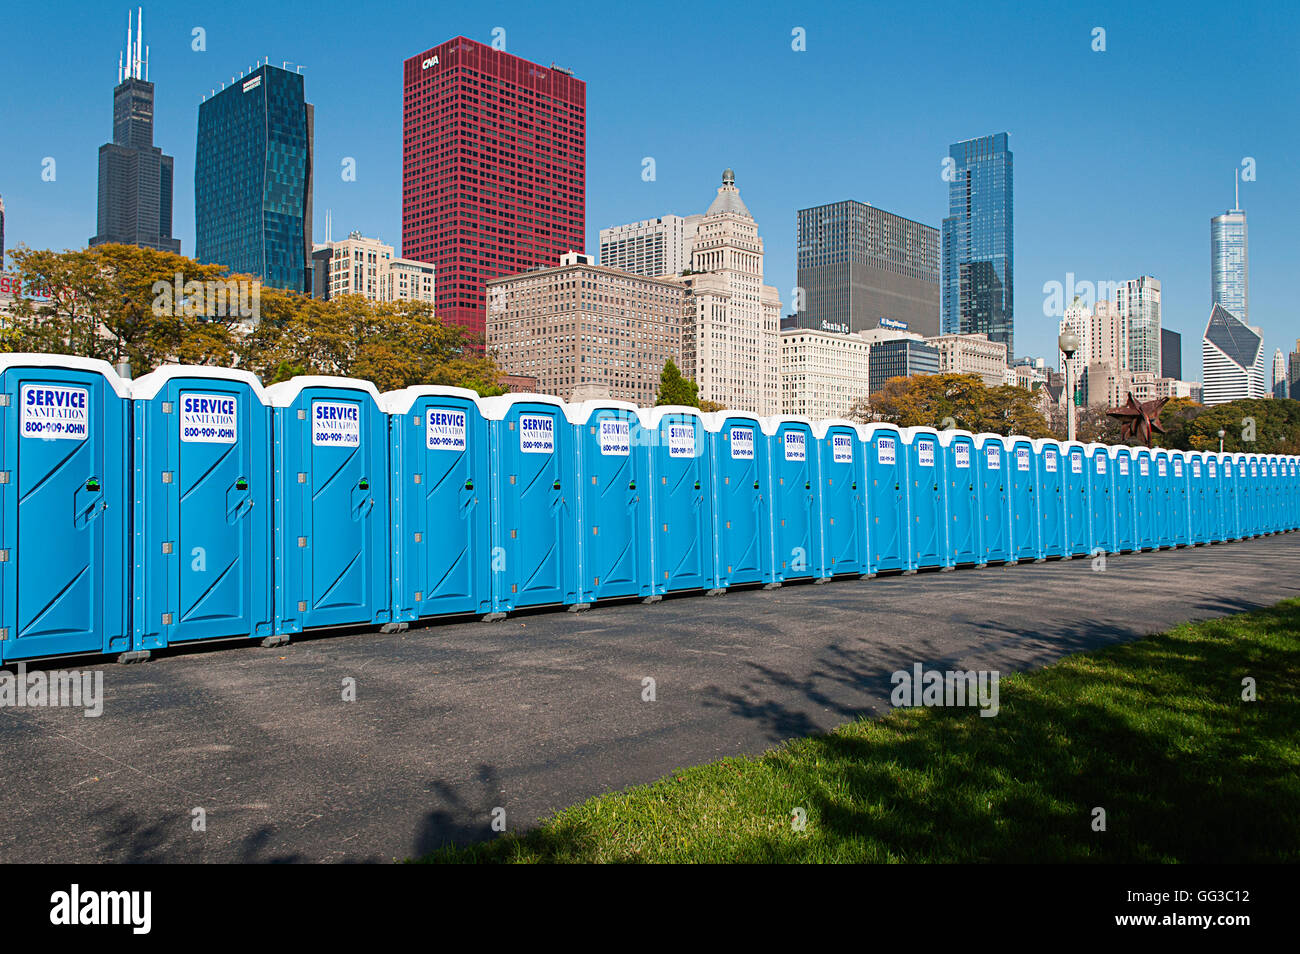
(335, 424)
(54, 413)
(209, 418)
(444, 430)
(536, 434)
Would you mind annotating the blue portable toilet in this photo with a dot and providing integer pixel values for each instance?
(1248, 491)
(994, 498)
(742, 497)
(441, 525)
(1199, 515)
(1144, 484)
(840, 469)
(1274, 508)
(1218, 489)
(331, 503)
(1225, 466)
(1101, 499)
(1234, 473)
(1078, 515)
(681, 499)
(1023, 487)
(1121, 468)
(885, 460)
(1051, 497)
(204, 508)
(796, 524)
(1162, 491)
(1180, 526)
(1290, 491)
(925, 487)
(65, 504)
(614, 518)
(534, 502)
(962, 478)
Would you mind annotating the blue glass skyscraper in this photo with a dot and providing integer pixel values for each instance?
(1230, 262)
(253, 179)
(978, 241)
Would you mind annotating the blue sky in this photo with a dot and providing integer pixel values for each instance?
(1121, 156)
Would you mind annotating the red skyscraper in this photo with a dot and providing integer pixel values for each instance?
(494, 159)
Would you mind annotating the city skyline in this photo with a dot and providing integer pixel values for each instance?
(1169, 185)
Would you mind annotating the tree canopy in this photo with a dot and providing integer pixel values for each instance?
(955, 400)
(123, 302)
(675, 389)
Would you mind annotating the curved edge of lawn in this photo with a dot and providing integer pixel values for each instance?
(1155, 732)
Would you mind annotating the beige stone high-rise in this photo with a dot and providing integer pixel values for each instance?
(731, 333)
(586, 329)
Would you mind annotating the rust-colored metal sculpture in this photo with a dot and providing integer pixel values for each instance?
(1139, 419)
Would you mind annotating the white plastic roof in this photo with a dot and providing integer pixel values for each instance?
(20, 359)
(400, 401)
(496, 408)
(286, 392)
(147, 387)
(579, 414)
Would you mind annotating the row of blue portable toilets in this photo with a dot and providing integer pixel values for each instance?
(194, 504)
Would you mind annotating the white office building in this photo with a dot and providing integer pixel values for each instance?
(1232, 359)
(651, 248)
(822, 373)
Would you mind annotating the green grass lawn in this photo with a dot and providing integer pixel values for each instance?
(1153, 731)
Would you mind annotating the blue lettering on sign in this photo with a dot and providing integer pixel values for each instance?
(53, 412)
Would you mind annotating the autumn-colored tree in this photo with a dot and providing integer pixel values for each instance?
(1257, 425)
(123, 302)
(393, 344)
(709, 406)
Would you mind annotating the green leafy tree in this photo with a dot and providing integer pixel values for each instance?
(1257, 425)
(123, 302)
(675, 389)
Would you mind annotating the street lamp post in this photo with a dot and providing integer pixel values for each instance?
(1069, 344)
(1222, 434)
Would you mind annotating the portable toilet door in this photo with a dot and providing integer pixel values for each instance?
(843, 498)
(613, 489)
(681, 498)
(1022, 484)
(1121, 471)
(1051, 497)
(65, 500)
(796, 530)
(1273, 508)
(885, 460)
(1101, 499)
(1078, 514)
(1234, 471)
(1180, 528)
(331, 503)
(962, 492)
(1216, 498)
(995, 499)
(204, 507)
(742, 497)
(441, 524)
(1290, 493)
(1249, 494)
(925, 487)
(535, 502)
(1163, 493)
(1144, 489)
(1198, 500)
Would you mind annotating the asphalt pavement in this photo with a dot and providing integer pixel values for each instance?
(239, 753)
